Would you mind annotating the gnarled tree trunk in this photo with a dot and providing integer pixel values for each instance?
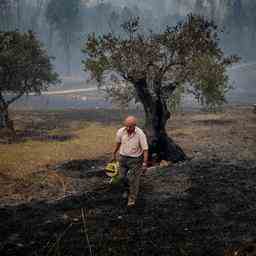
(157, 115)
(5, 121)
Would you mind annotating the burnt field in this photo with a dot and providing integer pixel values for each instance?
(201, 207)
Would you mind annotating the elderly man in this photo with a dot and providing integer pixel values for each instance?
(131, 142)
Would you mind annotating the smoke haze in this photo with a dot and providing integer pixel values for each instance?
(235, 17)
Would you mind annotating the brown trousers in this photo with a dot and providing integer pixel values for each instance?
(130, 172)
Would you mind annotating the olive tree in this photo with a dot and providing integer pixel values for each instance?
(154, 66)
(24, 68)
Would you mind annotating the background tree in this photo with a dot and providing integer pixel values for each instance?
(252, 22)
(113, 22)
(24, 68)
(64, 16)
(36, 15)
(6, 12)
(156, 65)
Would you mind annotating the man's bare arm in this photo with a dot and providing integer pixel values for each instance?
(145, 156)
(117, 147)
(145, 161)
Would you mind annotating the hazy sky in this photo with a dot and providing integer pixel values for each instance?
(169, 6)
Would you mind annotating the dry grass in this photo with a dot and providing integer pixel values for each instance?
(25, 167)
(20, 159)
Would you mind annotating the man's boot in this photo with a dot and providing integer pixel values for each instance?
(131, 202)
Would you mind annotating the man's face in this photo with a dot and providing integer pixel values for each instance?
(130, 124)
(130, 128)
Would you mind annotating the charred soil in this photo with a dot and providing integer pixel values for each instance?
(200, 207)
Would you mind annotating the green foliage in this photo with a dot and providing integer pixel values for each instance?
(174, 101)
(209, 82)
(96, 61)
(24, 66)
(184, 58)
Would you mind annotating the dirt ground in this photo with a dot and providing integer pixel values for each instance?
(200, 207)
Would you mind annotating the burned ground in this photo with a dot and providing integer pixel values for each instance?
(200, 207)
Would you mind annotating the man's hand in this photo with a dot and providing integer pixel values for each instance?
(144, 167)
(114, 158)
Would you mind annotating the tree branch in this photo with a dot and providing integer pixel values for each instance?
(20, 94)
(169, 89)
(9, 102)
(2, 101)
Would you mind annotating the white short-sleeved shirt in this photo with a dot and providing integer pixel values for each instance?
(132, 145)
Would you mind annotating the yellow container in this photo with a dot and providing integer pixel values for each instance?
(112, 169)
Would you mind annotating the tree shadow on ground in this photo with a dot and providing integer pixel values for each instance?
(21, 136)
(42, 136)
(215, 212)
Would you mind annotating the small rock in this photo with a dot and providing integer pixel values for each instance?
(65, 216)
(14, 237)
(48, 222)
(43, 233)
